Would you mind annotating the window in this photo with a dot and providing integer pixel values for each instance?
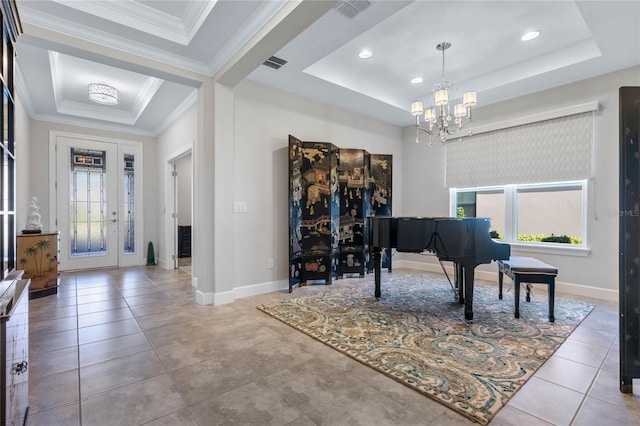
(129, 208)
(549, 214)
(483, 202)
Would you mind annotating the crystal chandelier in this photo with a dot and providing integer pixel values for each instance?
(102, 93)
(437, 118)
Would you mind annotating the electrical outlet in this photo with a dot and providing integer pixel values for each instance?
(270, 263)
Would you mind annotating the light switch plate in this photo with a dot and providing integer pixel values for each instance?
(239, 206)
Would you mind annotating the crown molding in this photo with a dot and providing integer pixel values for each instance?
(56, 77)
(147, 19)
(262, 15)
(90, 124)
(39, 19)
(96, 112)
(194, 16)
(142, 99)
(145, 94)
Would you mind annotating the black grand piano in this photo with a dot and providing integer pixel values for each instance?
(464, 241)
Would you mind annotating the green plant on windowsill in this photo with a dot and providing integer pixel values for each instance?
(541, 238)
(544, 238)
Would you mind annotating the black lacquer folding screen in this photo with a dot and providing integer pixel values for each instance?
(331, 193)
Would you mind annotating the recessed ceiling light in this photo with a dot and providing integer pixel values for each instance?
(530, 35)
(416, 80)
(365, 54)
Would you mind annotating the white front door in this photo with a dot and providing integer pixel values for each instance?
(87, 203)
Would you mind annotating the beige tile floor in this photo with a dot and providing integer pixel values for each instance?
(130, 347)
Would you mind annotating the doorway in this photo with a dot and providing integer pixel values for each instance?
(97, 207)
(180, 220)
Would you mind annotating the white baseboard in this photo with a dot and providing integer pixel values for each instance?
(561, 287)
(280, 285)
(211, 298)
(163, 264)
(260, 288)
(223, 297)
(204, 298)
(238, 292)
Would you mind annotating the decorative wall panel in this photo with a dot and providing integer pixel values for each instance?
(629, 238)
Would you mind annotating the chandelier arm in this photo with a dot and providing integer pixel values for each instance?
(427, 131)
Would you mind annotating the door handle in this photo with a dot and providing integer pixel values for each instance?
(114, 220)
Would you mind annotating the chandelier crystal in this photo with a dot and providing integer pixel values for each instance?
(102, 93)
(437, 118)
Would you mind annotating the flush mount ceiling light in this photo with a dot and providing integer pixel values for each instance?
(103, 94)
(416, 80)
(365, 54)
(437, 117)
(530, 35)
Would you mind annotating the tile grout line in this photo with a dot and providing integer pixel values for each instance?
(593, 381)
(153, 347)
(78, 354)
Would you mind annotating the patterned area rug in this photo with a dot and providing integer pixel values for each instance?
(416, 334)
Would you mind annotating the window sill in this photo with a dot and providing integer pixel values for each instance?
(549, 248)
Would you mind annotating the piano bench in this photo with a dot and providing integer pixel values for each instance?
(527, 270)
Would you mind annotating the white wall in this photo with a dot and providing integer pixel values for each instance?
(595, 275)
(39, 170)
(264, 117)
(23, 167)
(173, 143)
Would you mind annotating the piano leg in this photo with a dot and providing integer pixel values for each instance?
(377, 266)
(468, 292)
(460, 282)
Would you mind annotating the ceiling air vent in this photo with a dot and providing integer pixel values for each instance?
(350, 8)
(274, 62)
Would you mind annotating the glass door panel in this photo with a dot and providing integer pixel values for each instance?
(87, 221)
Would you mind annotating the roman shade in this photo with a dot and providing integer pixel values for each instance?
(551, 150)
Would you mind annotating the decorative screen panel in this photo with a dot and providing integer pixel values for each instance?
(546, 151)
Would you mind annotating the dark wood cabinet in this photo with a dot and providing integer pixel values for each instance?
(629, 237)
(184, 241)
